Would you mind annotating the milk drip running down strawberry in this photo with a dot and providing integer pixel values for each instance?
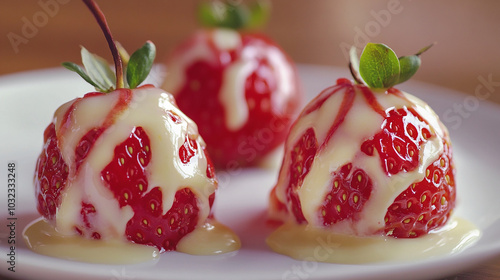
(124, 164)
(365, 160)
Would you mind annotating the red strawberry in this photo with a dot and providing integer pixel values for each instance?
(50, 175)
(85, 145)
(366, 147)
(125, 176)
(350, 190)
(425, 205)
(398, 144)
(240, 88)
(188, 150)
(150, 226)
(124, 162)
(302, 156)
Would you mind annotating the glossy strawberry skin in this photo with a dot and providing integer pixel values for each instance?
(425, 205)
(50, 176)
(125, 174)
(149, 226)
(302, 155)
(267, 124)
(85, 145)
(349, 191)
(398, 143)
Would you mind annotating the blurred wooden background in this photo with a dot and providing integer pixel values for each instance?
(42, 33)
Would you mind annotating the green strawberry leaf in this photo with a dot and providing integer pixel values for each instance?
(207, 14)
(140, 64)
(260, 12)
(410, 64)
(98, 70)
(79, 70)
(223, 14)
(379, 66)
(98, 73)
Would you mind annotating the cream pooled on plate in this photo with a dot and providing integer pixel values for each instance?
(130, 166)
(361, 163)
(123, 173)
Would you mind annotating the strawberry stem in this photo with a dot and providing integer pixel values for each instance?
(101, 20)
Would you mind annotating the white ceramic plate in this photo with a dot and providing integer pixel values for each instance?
(28, 100)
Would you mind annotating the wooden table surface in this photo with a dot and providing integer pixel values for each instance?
(51, 31)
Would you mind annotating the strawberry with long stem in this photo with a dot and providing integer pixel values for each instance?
(124, 162)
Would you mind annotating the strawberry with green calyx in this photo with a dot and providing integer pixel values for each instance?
(238, 86)
(367, 159)
(99, 74)
(124, 163)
